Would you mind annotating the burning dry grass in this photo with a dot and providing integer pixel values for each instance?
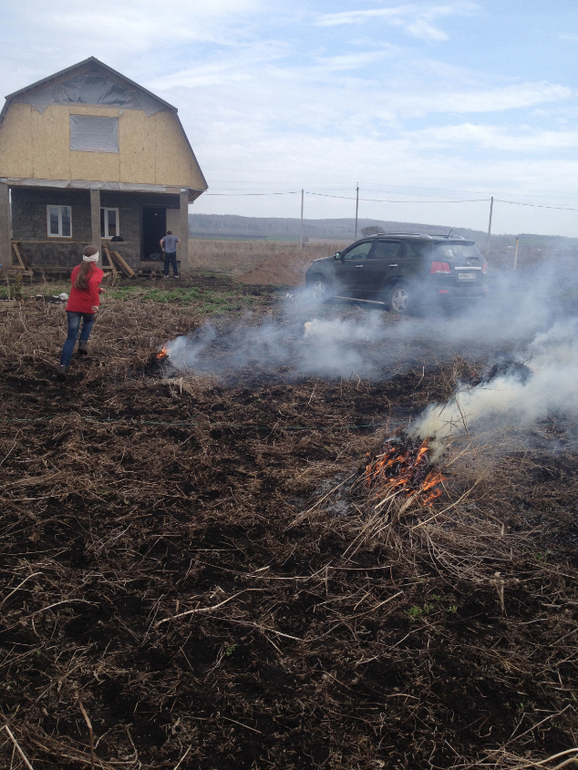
(403, 467)
(190, 581)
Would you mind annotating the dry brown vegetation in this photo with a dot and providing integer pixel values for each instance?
(237, 258)
(194, 578)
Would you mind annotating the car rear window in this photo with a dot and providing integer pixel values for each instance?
(451, 251)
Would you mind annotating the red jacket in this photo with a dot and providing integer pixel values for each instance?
(83, 301)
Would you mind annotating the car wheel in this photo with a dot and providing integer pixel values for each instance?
(398, 299)
(320, 289)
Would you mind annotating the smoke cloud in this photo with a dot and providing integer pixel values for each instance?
(529, 315)
(544, 383)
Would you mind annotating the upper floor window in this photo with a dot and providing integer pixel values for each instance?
(90, 133)
(109, 223)
(59, 221)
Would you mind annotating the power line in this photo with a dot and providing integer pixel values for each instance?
(537, 205)
(420, 201)
(348, 197)
(289, 192)
(387, 200)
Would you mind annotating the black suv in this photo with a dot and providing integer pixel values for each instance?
(401, 270)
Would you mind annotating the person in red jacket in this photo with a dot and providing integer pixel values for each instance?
(82, 305)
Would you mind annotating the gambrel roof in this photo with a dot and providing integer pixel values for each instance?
(93, 83)
(111, 91)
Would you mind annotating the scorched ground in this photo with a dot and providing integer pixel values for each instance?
(193, 577)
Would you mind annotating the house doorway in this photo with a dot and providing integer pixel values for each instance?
(154, 226)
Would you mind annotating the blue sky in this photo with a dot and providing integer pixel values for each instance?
(419, 103)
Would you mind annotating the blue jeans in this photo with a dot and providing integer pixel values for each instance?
(73, 326)
(171, 259)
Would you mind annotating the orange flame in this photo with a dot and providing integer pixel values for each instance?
(404, 469)
(163, 353)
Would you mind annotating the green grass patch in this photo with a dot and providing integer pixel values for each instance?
(226, 296)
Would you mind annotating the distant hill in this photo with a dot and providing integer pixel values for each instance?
(232, 227)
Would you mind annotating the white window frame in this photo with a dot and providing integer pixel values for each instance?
(106, 235)
(59, 234)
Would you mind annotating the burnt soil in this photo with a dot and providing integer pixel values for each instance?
(194, 577)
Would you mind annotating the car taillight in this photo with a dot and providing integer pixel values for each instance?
(485, 267)
(440, 267)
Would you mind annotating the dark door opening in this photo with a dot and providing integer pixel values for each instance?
(154, 226)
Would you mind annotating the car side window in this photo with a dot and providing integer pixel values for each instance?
(387, 250)
(361, 251)
(411, 251)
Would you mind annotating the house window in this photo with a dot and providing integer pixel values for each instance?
(59, 221)
(89, 133)
(109, 223)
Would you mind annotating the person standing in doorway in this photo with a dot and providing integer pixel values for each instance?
(82, 304)
(169, 244)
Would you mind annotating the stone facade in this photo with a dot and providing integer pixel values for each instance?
(29, 223)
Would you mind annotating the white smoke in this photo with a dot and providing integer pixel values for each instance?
(346, 340)
(551, 360)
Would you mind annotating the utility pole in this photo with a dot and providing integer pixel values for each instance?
(356, 209)
(516, 253)
(302, 201)
(489, 227)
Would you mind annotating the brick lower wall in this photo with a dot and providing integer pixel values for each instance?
(29, 223)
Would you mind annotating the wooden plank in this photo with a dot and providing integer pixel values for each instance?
(124, 265)
(111, 265)
(61, 240)
(23, 256)
(17, 270)
(18, 257)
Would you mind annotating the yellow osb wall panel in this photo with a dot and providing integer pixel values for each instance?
(152, 150)
(99, 166)
(50, 143)
(174, 163)
(136, 136)
(16, 142)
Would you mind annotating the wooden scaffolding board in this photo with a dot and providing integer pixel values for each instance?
(111, 266)
(124, 265)
(115, 260)
(23, 262)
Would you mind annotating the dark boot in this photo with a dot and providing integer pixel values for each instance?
(61, 373)
(82, 351)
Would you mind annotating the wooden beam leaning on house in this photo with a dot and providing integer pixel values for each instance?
(23, 263)
(124, 265)
(114, 257)
(111, 266)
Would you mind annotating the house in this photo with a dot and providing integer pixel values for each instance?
(86, 156)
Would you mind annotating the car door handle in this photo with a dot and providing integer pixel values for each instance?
(358, 266)
(394, 265)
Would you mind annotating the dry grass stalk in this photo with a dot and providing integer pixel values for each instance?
(17, 746)
(90, 732)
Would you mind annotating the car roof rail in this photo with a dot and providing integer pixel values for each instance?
(418, 235)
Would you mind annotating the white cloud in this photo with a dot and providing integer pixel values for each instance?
(484, 100)
(417, 20)
(525, 139)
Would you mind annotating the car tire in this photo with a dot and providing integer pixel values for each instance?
(399, 299)
(320, 288)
